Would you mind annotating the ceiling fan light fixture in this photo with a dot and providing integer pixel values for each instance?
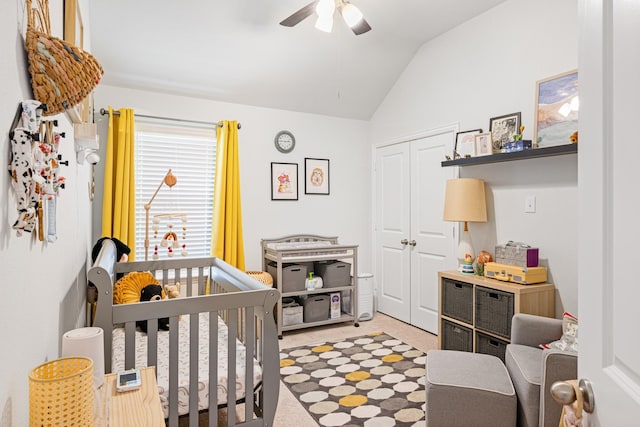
(351, 14)
(325, 8)
(324, 23)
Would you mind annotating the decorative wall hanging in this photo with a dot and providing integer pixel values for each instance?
(557, 105)
(316, 172)
(62, 75)
(284, 181)
(34, 169)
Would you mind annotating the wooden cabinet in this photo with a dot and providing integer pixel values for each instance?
(307, 249)
(475, 312)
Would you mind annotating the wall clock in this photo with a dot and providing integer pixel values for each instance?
(285, 141)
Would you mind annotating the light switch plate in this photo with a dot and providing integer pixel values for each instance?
(530, 204)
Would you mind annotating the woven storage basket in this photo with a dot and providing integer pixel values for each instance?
(262, 277)
(62, 74)
(61, 393)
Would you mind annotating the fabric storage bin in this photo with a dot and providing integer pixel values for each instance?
(293, 276)
(334, 273)
(490, 345)
(456, 337)
(494, 310)
(316, 308)
(457, 300)
(291, 312)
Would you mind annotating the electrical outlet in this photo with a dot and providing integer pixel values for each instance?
(530, 204)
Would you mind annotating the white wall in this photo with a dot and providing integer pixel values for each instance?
(485, 68)
(43, 283)
(344, 212)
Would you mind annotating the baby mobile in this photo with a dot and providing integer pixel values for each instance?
(170, 238)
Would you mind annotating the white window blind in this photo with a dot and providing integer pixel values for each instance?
(190, 153)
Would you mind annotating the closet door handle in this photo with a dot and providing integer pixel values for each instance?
(404, 242)
(412, 243)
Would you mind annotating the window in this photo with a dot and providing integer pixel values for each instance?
(184, 210)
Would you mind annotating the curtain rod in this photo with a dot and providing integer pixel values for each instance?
(104, 112)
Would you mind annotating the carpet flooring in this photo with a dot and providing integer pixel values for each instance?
(373, 380)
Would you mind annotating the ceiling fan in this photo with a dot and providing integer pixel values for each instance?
(325, 10)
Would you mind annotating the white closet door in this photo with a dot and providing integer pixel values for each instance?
(413, 243)
(393, 268)
(434, 246)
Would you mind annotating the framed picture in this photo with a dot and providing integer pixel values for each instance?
(316, 176)
(465, 143)
(284, 181)
(503, 128)
(483, 143)
(557, 105)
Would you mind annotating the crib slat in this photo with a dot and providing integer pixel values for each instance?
(231, 383)
(129, 345)
(152, 343)
(189, 282)
(174, 330)
(213, 369)
(194, 353)
(249, 325)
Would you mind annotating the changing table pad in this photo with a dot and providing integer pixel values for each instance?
(183, 364)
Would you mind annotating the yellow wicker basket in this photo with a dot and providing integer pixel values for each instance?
(262, 277)
(61, 393)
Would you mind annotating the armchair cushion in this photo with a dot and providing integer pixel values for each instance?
(534, 370)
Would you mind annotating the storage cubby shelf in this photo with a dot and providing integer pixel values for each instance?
(557, 150)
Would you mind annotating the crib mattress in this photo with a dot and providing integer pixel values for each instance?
(162, 368)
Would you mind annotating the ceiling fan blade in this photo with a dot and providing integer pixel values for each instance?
(301, 14)
(361, 27)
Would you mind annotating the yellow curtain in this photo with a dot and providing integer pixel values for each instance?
(226, 228)
(118, 200)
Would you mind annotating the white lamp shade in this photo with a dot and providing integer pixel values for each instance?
(351, 14)
(324, 23)
(325, 8)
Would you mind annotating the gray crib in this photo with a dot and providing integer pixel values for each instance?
(237, 314)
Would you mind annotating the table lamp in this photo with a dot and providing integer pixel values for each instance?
(169, 179)
(464, 201)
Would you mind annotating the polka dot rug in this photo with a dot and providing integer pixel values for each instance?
(372, 381)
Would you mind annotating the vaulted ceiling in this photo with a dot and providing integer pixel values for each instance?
(236, 51)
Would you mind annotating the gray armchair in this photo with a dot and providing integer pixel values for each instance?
(533, 370)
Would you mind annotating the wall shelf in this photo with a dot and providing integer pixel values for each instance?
(516, 155)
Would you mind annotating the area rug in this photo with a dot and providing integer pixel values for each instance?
(374, 380)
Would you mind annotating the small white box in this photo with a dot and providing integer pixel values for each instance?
(335, 305)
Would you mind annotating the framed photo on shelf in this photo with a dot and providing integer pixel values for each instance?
(556, 115)
(465, 143)
(316, 176)
(484, 145)
(503, 128)
(284, 181)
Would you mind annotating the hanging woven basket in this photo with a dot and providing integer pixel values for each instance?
(62, 74)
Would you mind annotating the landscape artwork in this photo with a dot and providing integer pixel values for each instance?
(557, 110)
